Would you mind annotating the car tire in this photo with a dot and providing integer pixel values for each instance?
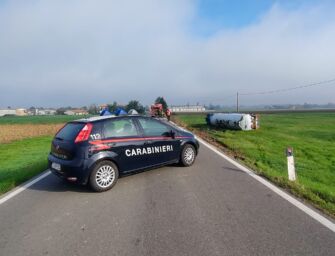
(188, 155)
(104, 176)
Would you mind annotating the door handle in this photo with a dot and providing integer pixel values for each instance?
(148, 142)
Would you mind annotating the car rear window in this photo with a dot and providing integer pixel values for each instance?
(70, 131)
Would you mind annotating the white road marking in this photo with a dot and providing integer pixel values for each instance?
(318, 217)
(23, 187)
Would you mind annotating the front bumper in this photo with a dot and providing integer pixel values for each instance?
(197, 144)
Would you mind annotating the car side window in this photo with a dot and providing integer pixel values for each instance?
(152, 127)
(119, 128)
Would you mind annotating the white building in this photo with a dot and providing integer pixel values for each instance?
(187, 108)
(45, 112)
(13, 112)
(76, 112)
(4, 112)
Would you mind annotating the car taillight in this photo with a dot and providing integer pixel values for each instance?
(84, 134)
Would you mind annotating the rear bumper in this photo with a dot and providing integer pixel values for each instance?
(74, 170)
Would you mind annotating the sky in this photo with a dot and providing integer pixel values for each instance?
(78, 52)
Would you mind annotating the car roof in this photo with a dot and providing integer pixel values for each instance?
(99, 118)
(93, 119)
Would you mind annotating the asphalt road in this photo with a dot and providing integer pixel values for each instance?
(211, 208)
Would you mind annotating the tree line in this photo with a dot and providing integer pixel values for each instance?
(93, 109)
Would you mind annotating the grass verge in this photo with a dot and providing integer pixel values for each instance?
(21, 160)
(24, 146)
(310, 134)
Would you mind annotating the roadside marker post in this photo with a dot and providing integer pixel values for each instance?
(290, 164)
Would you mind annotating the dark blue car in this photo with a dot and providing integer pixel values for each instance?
(97, 149)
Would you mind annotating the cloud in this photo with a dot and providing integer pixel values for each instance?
(78, 52)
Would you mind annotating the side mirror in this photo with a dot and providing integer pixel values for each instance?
(172, 134)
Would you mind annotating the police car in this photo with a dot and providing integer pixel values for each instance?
(97, 149)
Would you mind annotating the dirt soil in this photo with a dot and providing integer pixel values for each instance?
(13, 132)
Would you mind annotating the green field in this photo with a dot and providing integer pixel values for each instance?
(38, 119)
(21, 160)
(312, 135)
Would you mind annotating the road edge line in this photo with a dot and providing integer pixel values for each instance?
(315, 215)
(4, 198)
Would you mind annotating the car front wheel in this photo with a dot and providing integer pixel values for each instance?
(188, 155)
(104, 176)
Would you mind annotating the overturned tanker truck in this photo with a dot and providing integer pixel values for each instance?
(233, 121)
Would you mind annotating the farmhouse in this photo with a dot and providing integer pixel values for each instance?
(21, 112)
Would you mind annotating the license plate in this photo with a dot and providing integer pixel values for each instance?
(55, 166)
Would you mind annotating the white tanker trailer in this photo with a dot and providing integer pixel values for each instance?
(233, 121)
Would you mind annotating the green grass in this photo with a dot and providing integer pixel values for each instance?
(38, 119)
(21, 160)
(312, 135)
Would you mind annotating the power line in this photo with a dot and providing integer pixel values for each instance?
(213, 100)
(290, 89)
(232, 96)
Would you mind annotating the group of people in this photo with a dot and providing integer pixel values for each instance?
(119, 111)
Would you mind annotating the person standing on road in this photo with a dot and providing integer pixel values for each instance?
(168, 114)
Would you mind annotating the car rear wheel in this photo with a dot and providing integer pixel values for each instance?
(104, 176)
(188, 155)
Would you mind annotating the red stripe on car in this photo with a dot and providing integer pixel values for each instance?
(96, 142)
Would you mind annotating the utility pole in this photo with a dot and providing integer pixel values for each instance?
(237, 108)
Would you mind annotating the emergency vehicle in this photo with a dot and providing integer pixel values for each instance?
(97, 150)
(156, 110)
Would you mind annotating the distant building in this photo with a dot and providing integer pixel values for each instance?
(76, 112)
(4, 112)
(41, 112)
(21, 112)
(14, 112)
(187, 108)
(45, 112)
